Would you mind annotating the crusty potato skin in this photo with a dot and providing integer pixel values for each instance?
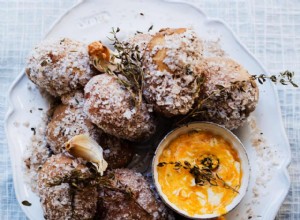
(110, 106)
(129, 197)
(60, 198)
(173, 62)
(68, 121)
(160, 55)
(232, 109)
(85, 203)
(59, 67)
(115, 205)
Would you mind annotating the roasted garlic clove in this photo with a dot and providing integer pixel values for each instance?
(87, 148)
(101, 56)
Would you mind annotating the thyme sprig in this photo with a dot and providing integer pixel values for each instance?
(128, 67)
(203, 175)
(220, 91)
(284, 78)
(224, 92)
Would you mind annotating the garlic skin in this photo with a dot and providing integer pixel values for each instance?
(101, 56)
(88, 149)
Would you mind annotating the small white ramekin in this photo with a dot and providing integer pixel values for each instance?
(215, 129)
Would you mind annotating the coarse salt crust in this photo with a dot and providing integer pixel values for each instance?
(67, 122)
(74, 98)
(60, 168)
(36, 153)
(59, 66)
(233, 110)
(173, 61)
(59, 198)
(85, 203)
(37, 150)
(140, 40)
(130, 181)
(111, 108)
(70, 120)
(57, 202)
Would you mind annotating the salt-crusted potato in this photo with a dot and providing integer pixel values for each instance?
(69, 120)
(236, 101)
(65, 189)
(110, 106)
(172, 60)
(60, 66)
(129, 197)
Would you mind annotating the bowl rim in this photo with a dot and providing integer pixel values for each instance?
(246, 173)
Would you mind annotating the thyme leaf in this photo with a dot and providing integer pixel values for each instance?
(26, 203)
(150, 28)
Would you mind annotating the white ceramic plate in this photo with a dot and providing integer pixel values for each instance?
(269, 152)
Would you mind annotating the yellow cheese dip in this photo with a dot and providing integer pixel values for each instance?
(179, 184)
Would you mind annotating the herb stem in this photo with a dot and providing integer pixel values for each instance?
(202, 175)
(129, 66)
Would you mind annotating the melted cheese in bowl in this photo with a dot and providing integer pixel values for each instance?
(179, 185)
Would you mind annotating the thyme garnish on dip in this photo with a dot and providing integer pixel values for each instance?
(204, 173)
